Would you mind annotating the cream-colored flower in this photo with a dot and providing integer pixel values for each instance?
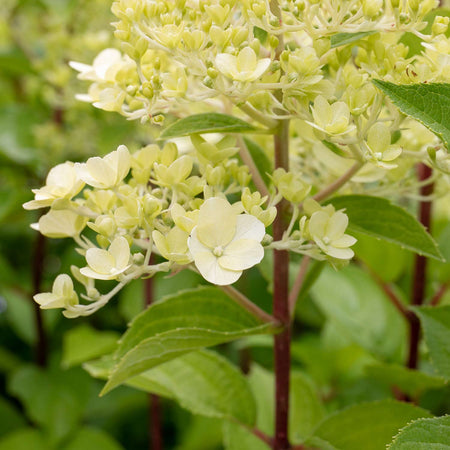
(243, 67)
(62, 294)
(332, 119)
(381, 152)
(173, 246)
(327, 229)
(60, 223)
(106, 172)
(108, 264)
(104, 67)
(225, 243)
(62, 183)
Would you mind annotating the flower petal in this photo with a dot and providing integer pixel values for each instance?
(211, 271)
(100, 261)
(120, 251)
(249, 227)
(194, 244)
(242, 254)
(337, 224)
(344, 241)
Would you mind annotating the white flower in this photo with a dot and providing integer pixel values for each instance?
(108, 264)
(224, 243)
(62, 294)
(107, 172)
(332, 119)
(103, 68)
(327, 229)
(60, 223)
(62, 183)
(243, 67)
(381, 152)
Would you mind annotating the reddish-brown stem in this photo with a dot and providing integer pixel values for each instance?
(154, 426)
(260, 435)
(420, 265)
(437, 297)
(37, 274)
(281, 305)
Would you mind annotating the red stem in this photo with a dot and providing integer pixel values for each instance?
(281, 311)
(37, 275)
(154, 406)
(419, 280)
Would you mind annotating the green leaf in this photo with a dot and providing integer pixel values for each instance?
(184, 322)
(436, 327)
(11, 417)
(202, 382)
(424, 434)
(381, 219)
(207, 123)
(84, 343)
(339, 39)
(428, 103)
(260, 159)
(55, 400)
(237, 438)
(360, 311)
(334, 148)
(89, 438)
(411, 382)
(24, 439)
(368, 426)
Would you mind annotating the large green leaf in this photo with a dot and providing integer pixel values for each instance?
(92, 439)
(202, 382)
(24, 439)
(84, 343)
(424, 434)
(381, 219)
(340, 39)
(11, 417)
(429, 103)
(184, 322)
(368, 426)
(436, 326)
(207, 123)
(411, 382)
(360, 311)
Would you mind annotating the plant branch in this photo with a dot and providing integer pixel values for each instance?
(337, 184)
(246, 303)
(420, 265)
(248, 161)
(295, 290)
(437, 297)
(257, 115)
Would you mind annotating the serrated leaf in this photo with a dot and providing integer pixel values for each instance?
(436, 327)
(84, 343)
(368, 426)
(411, 382)
(424, 434)
(429, 103)
(182, 323)
(339, 39)
(202, 382)
(207, 123)
(381, 219)
(359, 310)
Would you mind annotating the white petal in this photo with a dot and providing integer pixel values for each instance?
(211, 271)
(120, 250)
(344, 241)
(242, 254)
(100, 261)
(246, 60)
(194, 244)
(63, 285)
(226, 64)
(340, 253)
(249, 227)
(337, 224)
(318, 223)
(88, 272)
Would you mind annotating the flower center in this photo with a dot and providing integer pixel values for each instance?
(326, 240)
(218, 251)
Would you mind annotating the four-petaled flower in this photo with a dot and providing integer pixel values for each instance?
(108, 264)
(224, 243)
(62, 294)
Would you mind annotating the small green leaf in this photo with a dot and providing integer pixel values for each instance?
(436, 326)
(202, 382)
(427, 103)
(207, 123)
(84, 343)
(368, 426)
(334, 148)
(182, 323)
(339, 39)
(11, 417)
(24, 439)
(381, 219)
(424, 434)
(411, 382)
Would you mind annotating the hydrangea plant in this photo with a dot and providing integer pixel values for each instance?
(276, 135)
